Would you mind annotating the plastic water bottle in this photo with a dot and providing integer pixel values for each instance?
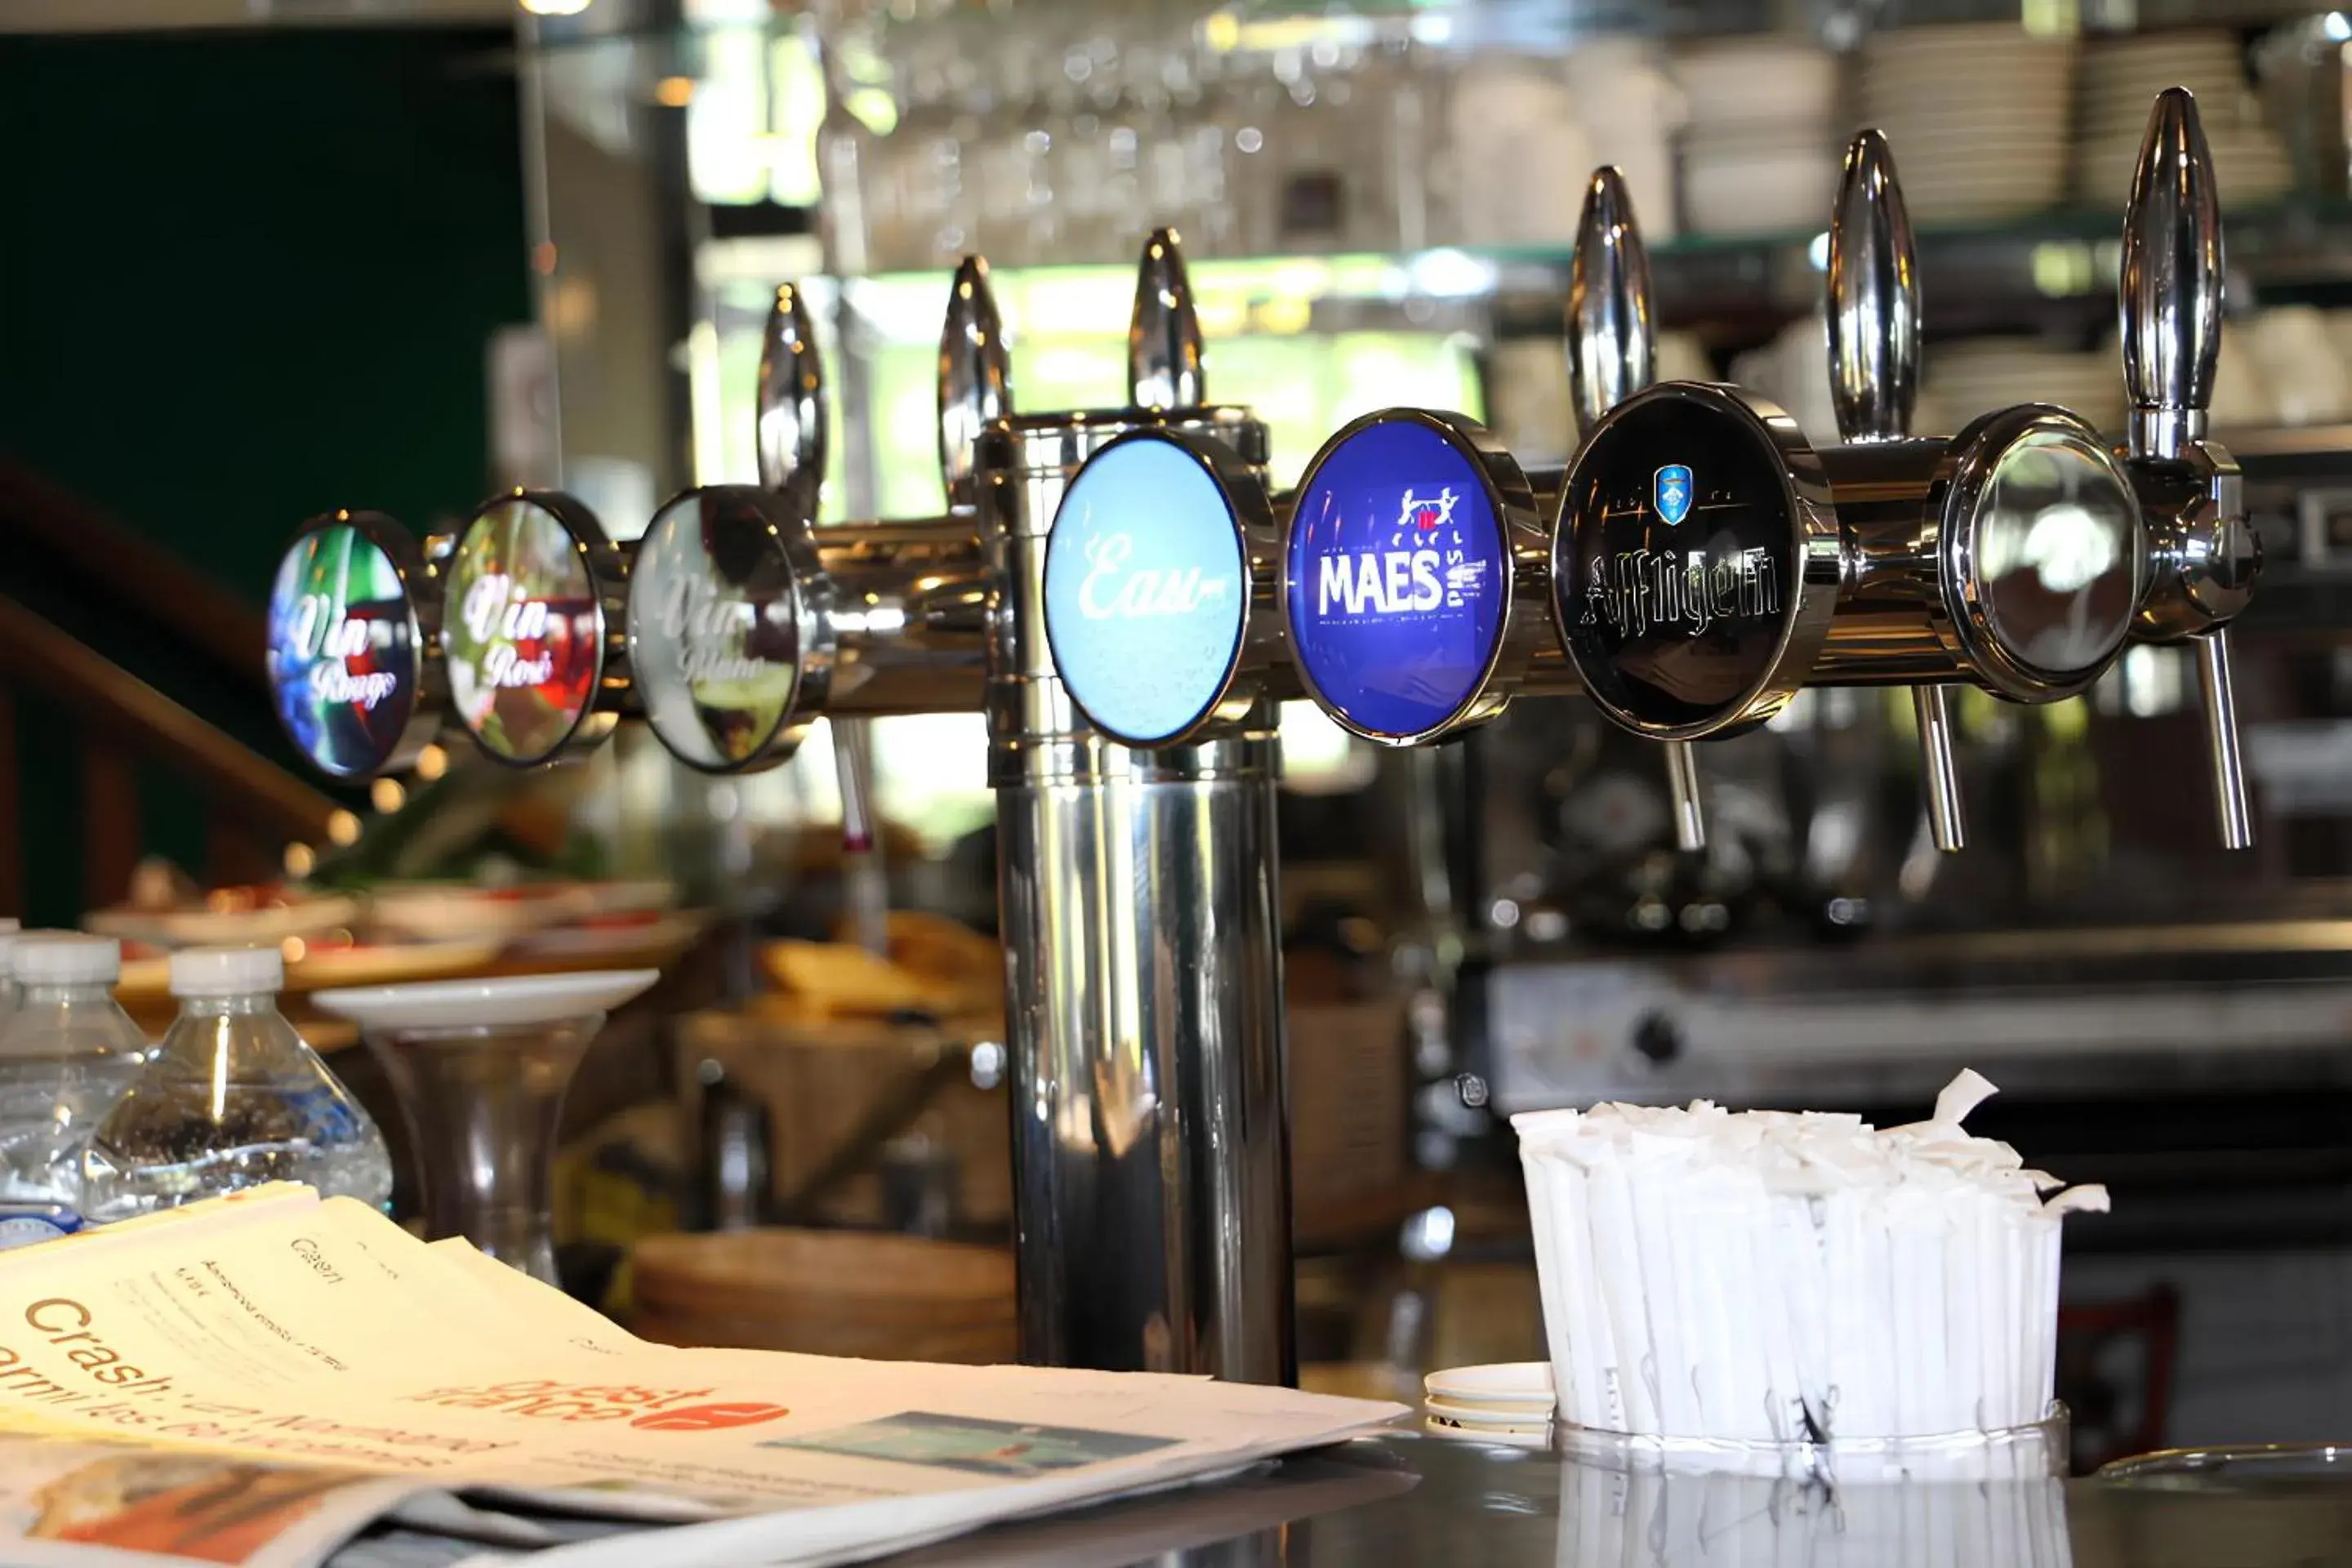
(234, 1098)
(66, 1054)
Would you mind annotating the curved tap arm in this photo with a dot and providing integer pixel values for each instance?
(1163, 335)
(975, 378)
(794, 434)
(1612, 355)
(2203, 554)
(1873, 329)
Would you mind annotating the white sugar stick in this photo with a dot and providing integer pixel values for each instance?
(1617, 1260)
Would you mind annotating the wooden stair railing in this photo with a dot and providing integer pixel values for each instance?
(253, 806)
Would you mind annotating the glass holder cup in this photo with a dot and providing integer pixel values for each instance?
(480, 1068)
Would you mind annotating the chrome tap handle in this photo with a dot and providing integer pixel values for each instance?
(1612, 355)
(1611, 342)
(1873, 305)
(2172, 293)
(1163, 335)
(975, 378)
(794, 434)
(2203, 554)
(1873, 329)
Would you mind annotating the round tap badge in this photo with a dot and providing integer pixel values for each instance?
(345, 648)
(522, 628)
(1397, 580)
(714, 627)
(1675, 563)
(1147, 586)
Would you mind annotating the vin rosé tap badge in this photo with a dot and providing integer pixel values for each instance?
(1398, 577)
(1147, 586)
(522, 628)
(346, 651)
(714, 632)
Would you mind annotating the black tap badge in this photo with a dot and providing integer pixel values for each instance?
(713, 621)
(1675, 563)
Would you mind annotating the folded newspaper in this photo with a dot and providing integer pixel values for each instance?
(277, 1380)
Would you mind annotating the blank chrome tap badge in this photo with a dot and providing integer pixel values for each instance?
(1671, 493)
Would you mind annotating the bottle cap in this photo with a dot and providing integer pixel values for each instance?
(67, 958)
(226, 971)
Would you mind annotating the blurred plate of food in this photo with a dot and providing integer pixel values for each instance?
(453, 911)
(311, 964)
(165, 911)
(935, 967)
(604, 935)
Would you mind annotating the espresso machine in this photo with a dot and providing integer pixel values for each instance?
(1120, 596)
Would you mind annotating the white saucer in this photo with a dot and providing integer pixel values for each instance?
(1506, 1383)
(520, 999)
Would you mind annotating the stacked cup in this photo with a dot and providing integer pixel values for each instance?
(1779, 1279)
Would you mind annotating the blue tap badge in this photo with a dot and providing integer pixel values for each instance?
(1670, 491)
(1147, 589)
(1397, 578)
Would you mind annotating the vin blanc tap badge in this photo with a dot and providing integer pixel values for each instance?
(1147, 589)
(1397, 578)
(522, 631)
(714, 638)
(1674, 561)
(343, 647)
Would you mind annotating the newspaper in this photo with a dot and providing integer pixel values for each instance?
(259, 1378)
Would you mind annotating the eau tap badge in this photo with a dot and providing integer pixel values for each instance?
(1148, 584)
(348, 660)
(1677, 564)
(714, 625)
(1397, 578)
(523, 628)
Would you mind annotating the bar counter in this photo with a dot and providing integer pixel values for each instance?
(1407, 1501)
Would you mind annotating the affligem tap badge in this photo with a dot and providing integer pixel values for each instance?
(1147, 588)
(1397, 577)
(344, 645)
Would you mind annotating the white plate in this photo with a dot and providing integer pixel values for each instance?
(1509, 1438)
(520, 999)
(1509, 1425)
(1523, 1412)
(223, 928)
(1522, 1380)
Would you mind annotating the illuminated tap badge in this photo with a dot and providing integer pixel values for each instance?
(522, 630)
(344, 644)
(1397, 577)
(713, 624)
(1674, 597)
(1147, 587)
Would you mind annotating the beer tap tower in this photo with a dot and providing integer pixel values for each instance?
(1119, 595)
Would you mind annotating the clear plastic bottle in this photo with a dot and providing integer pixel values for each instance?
(66, 1054)
(234, 1097)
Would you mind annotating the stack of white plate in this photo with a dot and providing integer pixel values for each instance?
(1966, 379)
(1978, 115)
(1759, 147)
(2120, 80)
(1506, 1399)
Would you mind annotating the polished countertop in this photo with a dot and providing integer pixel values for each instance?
(1414, 1500)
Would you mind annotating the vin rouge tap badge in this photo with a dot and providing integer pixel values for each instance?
(522, 628)
(714, 627)
(1677, 564)
(347, 653)
(1397, 579)
(1148, 584)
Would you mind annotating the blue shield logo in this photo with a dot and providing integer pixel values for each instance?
(1672, 494)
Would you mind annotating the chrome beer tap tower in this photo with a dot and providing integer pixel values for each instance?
(1119, 594)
